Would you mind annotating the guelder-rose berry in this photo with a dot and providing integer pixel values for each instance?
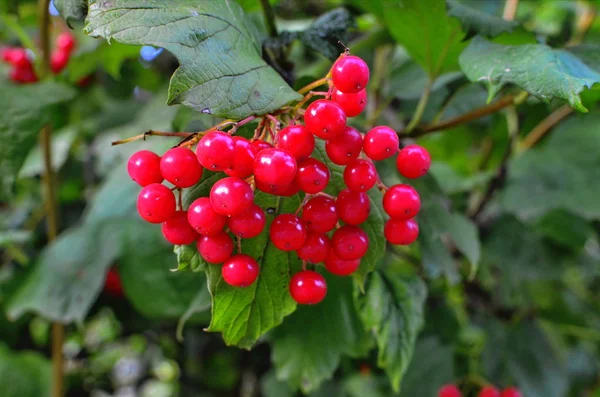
(156, 203)
(413, 161)
(216, 151)
(275, 167)
(261, 145)
(308, 287)
(319, 214)
(59, 60)
(352, 104)
(23, 75)
(249, 223)
(277, 190)
(346, 147)
(380, 143)
(315, 248)
(449, 391)
(17, 57)
(401, 202)
(312, 176)
(297, 140)
(203, 218)
(489, 391)
(215, 249)
(511, 392)
(231, 196)
(325, 119)
(243, 160)
(340, 267)
(360, 175)
(65, 42)
(353, 207)
(240, 271)
(180, 166)
(177, 229)
(401, 232)
(287, 232)
(350, 74)
(350, 242)
(144, 168)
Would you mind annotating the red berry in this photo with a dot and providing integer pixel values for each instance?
(23, 75)
(413, 161)
(489, 391)
(352, 104)
(325, 119)
(360, 175)
(156, 203)
(243, 160)
(275, 167)
(449, 391)
(261, 145)
(287, 232)
(231, 196)
(177, 229)
(340, 267)
(401, 232)
(240, 271)
(350, 74)
(65, 42)
(381, 143)
(216, 151)
(249, 223)
(401, 202)
(215, 249)
(112, 285)
(17, 57)
(315, 248)
(180, 166)
(308, 287)
(353, 207)
(59, 60)
(278, 190)
(511, 392)
(203, 218)
(312, 176)
(144, 168)
(319, 215)
(346, 147)
(297, 140)
(350, 242)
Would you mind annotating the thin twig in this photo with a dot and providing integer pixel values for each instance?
(585, 19)
(269, 17)
(510, 9)
(313, 85)
(544, 127)
(152, 133)
(421, 106)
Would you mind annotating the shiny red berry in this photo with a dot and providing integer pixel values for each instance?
(297, 140)
(352, 104)
(215, 249)
(203, 218)
(112, 284)
(401, 202)
(350, 242)
(345, 148)
(360, 175)
(326, 119)
(156, 203)
(350, 74)
(278, 190)
(401, 232)
(489, 391)
(380, 143)
(231, 196)
(413, 161)
(24, 75)
(261, 145)
(177, 229)
(287, 232)
(65, 42)
(240, 271)
(17, 57)
(216, 151)
(308, 287)
(180, 166)
(243, 160)
(511, 392)
(315, 248)
(449, 391)
(144, 168)
(275, 167)
(312, 176)
(340, 267)
(319, 214)
(353, 207)
(59, 60)
(249, 223)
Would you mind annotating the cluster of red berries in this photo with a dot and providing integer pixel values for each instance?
(282, 165)
(23, 72)
(487, 391)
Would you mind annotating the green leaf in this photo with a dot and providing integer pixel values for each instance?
(25, 110)
(188, 256)
(564, 76)
(327, 31)
(243, 315)
(392, 309)
(200, 304)
(309, 345)
(71, 10)
(221, 69)
(103, 56)
(473, 20)
(564, 228)
(409, 80)
(24, 374)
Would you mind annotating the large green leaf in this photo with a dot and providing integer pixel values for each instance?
(71, 10)
(481, 22)
(540, 70)
(221, 69)
(392, 308)
(308, 347)
(24, 374)
(25, 109)
(243, 315)
(327, 31)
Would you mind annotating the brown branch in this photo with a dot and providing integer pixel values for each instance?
(152, 133)
(540, 130)
(510, 9)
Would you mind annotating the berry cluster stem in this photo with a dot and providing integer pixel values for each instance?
(152, 133)
(315, 84)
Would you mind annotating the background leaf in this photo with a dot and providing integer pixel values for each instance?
(24, 374)
(477, 21)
